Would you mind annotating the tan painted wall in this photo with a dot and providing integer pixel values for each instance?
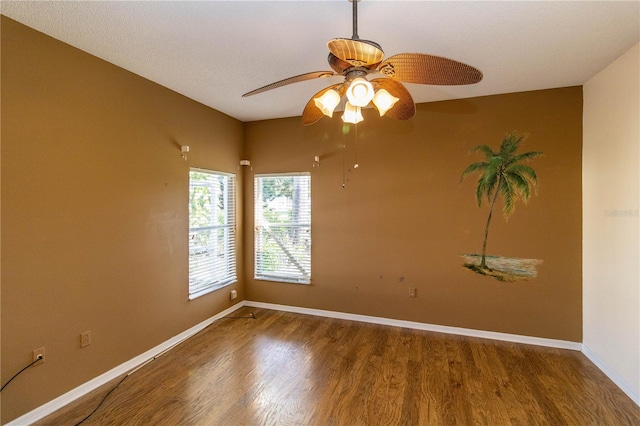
(94, 213)
(404, 218)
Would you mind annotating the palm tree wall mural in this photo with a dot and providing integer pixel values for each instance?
(502, 173)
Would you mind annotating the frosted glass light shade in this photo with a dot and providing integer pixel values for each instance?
(328, 102)
(352, 114)
(360, 92)
(384, 101)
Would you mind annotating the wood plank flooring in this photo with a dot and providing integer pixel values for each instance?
(292, 369)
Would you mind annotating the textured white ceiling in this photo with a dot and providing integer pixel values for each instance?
(214, 51)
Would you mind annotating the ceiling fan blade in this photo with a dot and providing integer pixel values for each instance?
(338, 64)
(405, 108)
(290, 80)
(358, 53)
(428, 69)
(311, 112)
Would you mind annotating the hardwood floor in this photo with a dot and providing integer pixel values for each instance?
(292, 369)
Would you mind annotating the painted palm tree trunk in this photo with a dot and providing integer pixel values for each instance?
(483, 262)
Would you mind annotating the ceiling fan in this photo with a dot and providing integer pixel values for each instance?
(355, 59)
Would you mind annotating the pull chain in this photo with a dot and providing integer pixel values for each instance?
(355, 146)
(344, 160)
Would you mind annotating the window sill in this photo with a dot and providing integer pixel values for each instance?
(283, 280)
(210, 289)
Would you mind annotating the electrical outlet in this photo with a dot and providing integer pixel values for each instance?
(85, 339)
(234, 294)
(412, 292)
(38, 353)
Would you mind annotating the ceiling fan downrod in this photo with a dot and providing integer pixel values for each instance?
(355, 20)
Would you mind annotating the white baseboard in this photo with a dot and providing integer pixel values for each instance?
(55, 404)
(538, 341)
(634, 394)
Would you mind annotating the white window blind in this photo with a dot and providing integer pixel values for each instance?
(212, 231)
(283, 227)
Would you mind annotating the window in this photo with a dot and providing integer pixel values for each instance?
(283, 227)
(212, 231)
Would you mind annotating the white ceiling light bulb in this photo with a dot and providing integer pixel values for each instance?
(360, 92)
(352, 114)
(384, 101)
(328, 102)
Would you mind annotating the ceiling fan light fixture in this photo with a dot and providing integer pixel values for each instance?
(384, 101)
(360, 92)
(328, 102)
(352, 114)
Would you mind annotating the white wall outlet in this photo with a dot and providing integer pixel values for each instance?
(234, 294)
(38, 353)
(85, 339)
(413, 292)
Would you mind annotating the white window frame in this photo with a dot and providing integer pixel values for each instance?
(276, 256)
(212, 266)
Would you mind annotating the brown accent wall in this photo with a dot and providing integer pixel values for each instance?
(404, 218)
(94, 213)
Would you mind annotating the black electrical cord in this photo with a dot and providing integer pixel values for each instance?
(18, 373)
(103, 400)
